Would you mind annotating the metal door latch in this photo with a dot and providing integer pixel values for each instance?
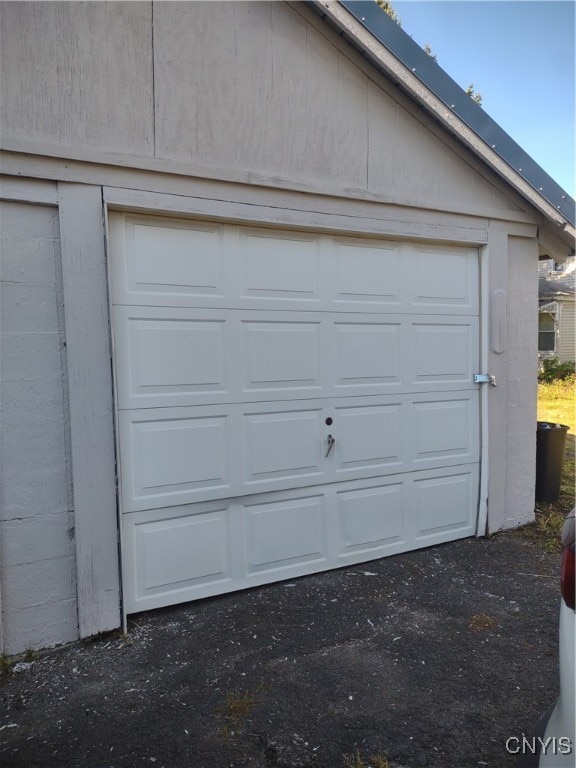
(485, 378)
(330, 441)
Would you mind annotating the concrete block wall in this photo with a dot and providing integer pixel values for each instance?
(37, 574)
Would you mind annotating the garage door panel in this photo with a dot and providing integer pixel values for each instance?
(445, 429)
(367, 355)
(281, 445)
(367, 273)
(166, 260)
(183, 550)
(191, 356)
(179, 354)
(171, 457)
(370, 518)
(281, 534)
(445, 505)
(444, 278)
(185, 455)
(443, 352)
(181, 553)
(279, 267)
(282, 355)
(165, 356)
(368, 437)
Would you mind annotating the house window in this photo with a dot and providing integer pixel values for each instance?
(546, 333)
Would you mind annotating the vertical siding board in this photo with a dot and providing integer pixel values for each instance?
(288, 109)
(396, 151)
(198, 87)
(86, 70)
(219, 85)
(253, 53)
(352, 125)
(450, 178)
(383, 133)
(484, 194)
(321, 109)
(91, 407)
(567, 333)
(27, 35)
(176, 77)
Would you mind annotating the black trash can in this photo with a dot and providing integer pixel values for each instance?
(550, 444)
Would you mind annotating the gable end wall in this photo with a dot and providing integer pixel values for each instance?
(268, 91)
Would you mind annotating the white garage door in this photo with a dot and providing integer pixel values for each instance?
(287, 402)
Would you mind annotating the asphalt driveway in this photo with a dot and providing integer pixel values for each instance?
(432, 658)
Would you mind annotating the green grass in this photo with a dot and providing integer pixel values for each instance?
(6, 665)
(556, 403)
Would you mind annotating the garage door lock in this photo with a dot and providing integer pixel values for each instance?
(329, 444)
(485, 378)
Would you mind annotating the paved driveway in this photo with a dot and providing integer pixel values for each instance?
(431, 658)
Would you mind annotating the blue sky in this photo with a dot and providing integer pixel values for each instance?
(520, 54)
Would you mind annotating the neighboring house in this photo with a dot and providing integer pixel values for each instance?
(253, 256)
(556, 311)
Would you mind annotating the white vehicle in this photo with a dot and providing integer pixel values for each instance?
(555, 734)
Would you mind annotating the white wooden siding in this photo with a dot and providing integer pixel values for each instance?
(566, 340)
(36, 520)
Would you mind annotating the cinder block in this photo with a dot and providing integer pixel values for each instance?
(30, 261)
(38, 584)
(27, 493)
(36, 538)
(28, 308)
(32, 447)
(20, 220)
(40, 627)
(29, 356)
(36, 401)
